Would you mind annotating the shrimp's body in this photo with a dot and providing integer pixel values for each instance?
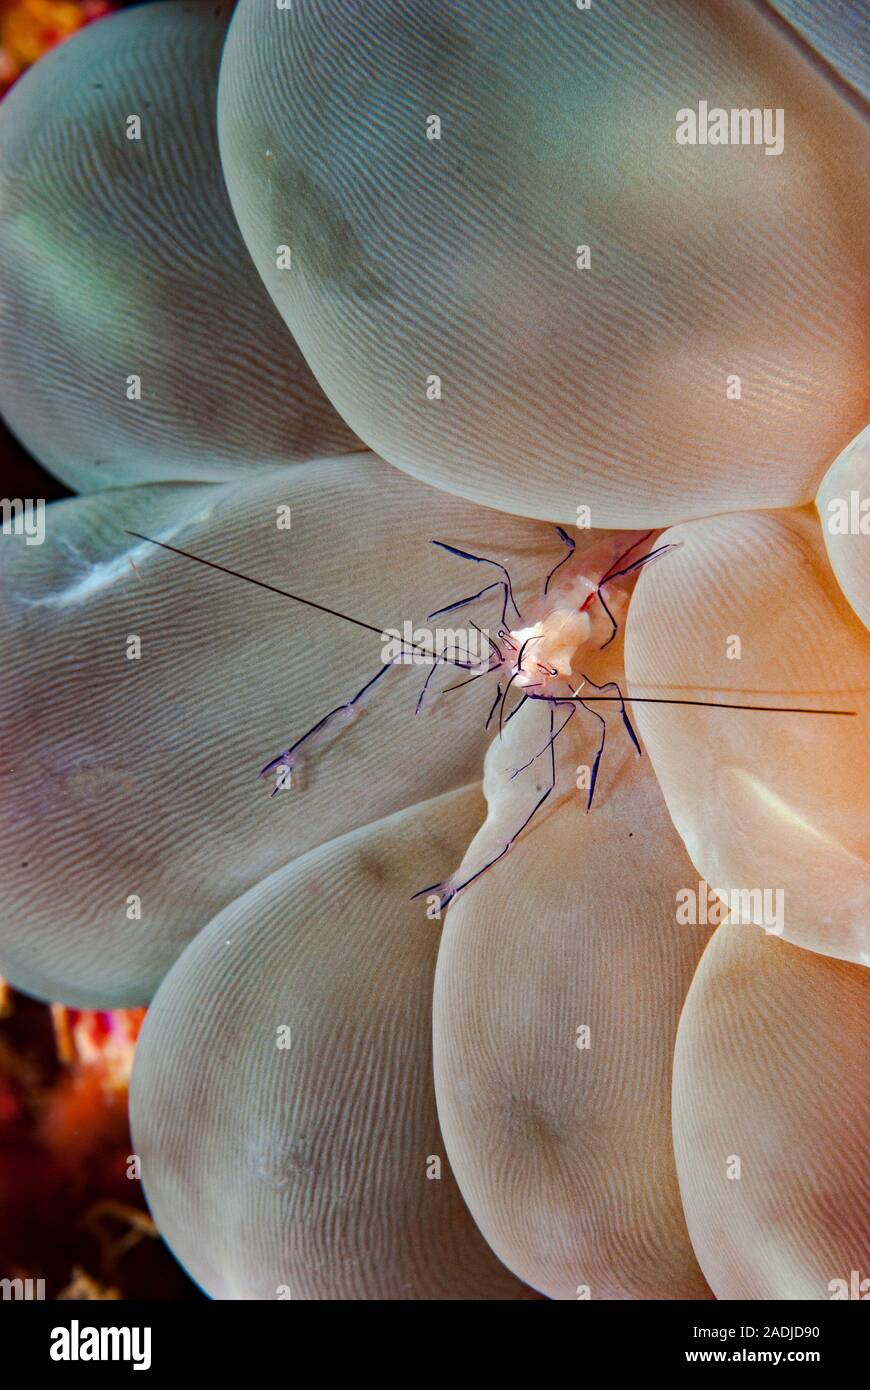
(567, 626)
(541, 656)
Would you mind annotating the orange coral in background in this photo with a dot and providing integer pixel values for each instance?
(29, 28)
(87, 1105)
(77, 1219)
(104, 1039)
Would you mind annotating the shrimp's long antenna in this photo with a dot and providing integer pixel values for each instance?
(322, 608)
(297, 598)
(705, 704)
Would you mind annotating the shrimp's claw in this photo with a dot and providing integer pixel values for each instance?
(441, 894)
(282, 767)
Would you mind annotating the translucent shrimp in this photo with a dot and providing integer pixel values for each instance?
(577, 612)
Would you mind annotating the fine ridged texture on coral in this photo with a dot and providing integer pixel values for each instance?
(140, 776)
(748, 611)
(456, 258)
(770, 1070)
(464, 614)
(838, 30)
(844, 510)
(319, 1154)
(562, 1150)
(121, 258)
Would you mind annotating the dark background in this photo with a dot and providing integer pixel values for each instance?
(68, 1212)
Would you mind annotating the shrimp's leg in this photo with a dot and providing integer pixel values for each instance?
(494, 648)
(551, 740)
(516, 709)
(594, 778)
(516, 672)
(494, 706)
(572, 544)
(618, 574)
(608, 685)
(447, 890)
(460, 603)
(482, 560)
(289, 757)
(441, 661)
(469, 680)
(612, 685)
(432, 669)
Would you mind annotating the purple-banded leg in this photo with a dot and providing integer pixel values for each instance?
(517, 707)
(594, 778)
(494, 648)
(572, 544)
(441, 661)
(482, 560)
(608, 685)
(447, 889)
(494, 706)
(618, 574)
(550, 741)
(438, 661)
(289, 757)
(517, 671)
(612, 685)
(472, 598)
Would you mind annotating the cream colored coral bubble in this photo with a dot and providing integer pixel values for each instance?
(772, 806)
(561, 975)
(134, 776)
(704, 356)
(837, 31)
(772, 1118)
(137, 343)
(282, 1100)
(844, 510)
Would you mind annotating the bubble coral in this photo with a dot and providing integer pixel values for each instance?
(457, 257)
(123, 270)
(282, 1098)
